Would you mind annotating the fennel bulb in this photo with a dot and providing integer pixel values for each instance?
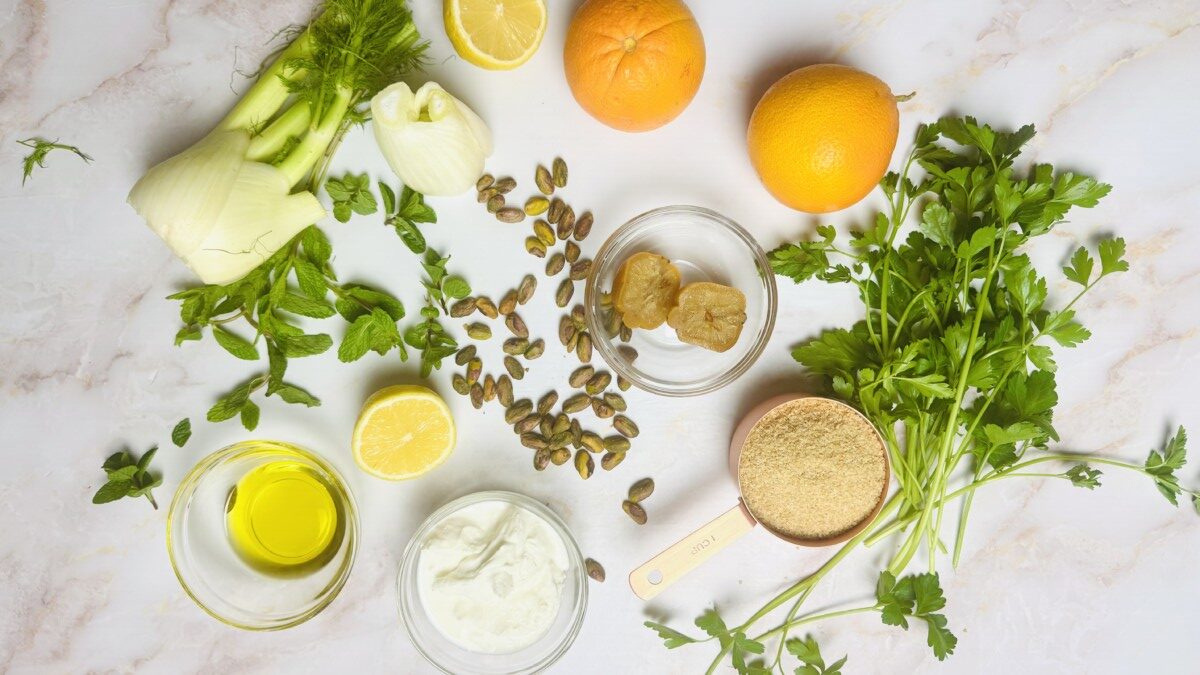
(246, 189)
(433, 141)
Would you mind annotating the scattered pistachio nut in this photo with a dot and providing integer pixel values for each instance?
(580, 269)
(544, 180)
(561, 423)
(535, 441)
(577, 316)
(505, 185)
(486, 307)
(546, 424)
(556, 210)
(583, 225)
(463, 308)
(576, 403)
(527, 424)
(625, 426)
(584, 464)
(592, 442)
(536, 349)
(555, 264)
(641, 490)
(504, 390)
(565, 229)
(546, 403)
(536, 206)
(616, 444)
(612, 323)
(459, 383)
(628, 353)
(572, 251)
(610, 460)
(615, 401)
(479, 331)
(485, 181)
(560, 439)
(495, 203)
(541, 459)
(580, 376)
(464, 355)
(486, 194)
(562, 297)
(635, 511)
(514, 368)
(518, 410)
(474, 370)
(584, 349)
(623, 384)
(508, 303)
(560, 172)
(544, 233)
(535, 247)
(477, 396)
(576, 433)
(594, 570)
(515, 346)
(602, 409)
(526, 289)
(566, 330)
(516, 325)
(567, 222)
(598, 383)
(510, 214)
(559, 456)
(573, 343)
(489, 388)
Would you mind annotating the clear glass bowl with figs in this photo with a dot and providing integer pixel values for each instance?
(705, 246)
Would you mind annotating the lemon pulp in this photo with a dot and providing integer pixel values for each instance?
(283, 518)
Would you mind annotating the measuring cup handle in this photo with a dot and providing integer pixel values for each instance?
(688, 553)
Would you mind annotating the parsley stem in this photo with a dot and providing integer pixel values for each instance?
(812, 618)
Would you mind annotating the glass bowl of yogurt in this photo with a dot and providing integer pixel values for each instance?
(492, 583)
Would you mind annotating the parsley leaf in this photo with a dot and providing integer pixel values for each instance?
(41, 147)
(1162, 464)
(671, 638)
(1083, 476)
(916, 596)
(808, 652)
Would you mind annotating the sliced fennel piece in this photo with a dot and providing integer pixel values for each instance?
(434, 143)
(220, 212)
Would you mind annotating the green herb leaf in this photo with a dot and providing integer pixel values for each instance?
(358, 339)
(711, 623)
(40, 148)
(808, 652)
(112, 491)
(249, 415)
(1112, 254)
(230, 404)
(670, 637)
(1083, 476)
(297, 346)
(235, 344)
(1080, 269)
(290, 393)
(128, 478)
(351, 194)
(456, 287)
(1161, 465)
(182, 432)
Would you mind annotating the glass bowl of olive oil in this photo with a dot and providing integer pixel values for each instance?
(262, 534)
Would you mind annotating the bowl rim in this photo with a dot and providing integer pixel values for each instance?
(738, 369)
(408, 571)
(206, 464)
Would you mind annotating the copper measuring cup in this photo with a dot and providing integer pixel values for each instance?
(690, 552)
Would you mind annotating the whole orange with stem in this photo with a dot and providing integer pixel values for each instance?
(822, 136)
(634, 64)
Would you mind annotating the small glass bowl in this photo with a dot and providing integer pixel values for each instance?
(210, 569)
(447, 655)
(705, 246)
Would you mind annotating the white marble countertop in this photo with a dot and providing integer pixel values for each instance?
(1053, 579)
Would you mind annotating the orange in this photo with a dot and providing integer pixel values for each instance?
(634, 64)
(822, 137)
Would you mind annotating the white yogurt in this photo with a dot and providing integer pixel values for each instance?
(490, 577)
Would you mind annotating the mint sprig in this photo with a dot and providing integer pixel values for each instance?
(128, 477)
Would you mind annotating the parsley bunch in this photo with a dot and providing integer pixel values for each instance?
(953, 361)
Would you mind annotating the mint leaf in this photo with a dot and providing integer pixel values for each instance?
(182, 432)
(290, 393)
(112, 491)
(358, 339)
(235, 344)
(298, 346)
(456, 287)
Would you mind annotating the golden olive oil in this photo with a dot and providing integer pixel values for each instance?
(284, 518)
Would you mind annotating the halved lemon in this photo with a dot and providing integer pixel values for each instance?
(403, 431)
(495, 34)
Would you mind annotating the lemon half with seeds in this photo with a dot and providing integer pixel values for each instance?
(495, 34)
(403, 431)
